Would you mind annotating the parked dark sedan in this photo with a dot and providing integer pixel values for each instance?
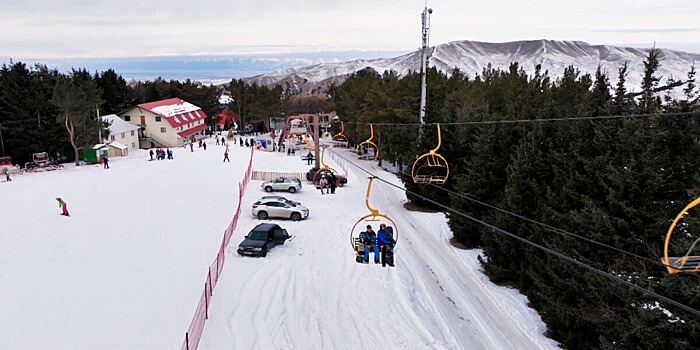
(261, 239)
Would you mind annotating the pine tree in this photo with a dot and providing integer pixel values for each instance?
(649, 102)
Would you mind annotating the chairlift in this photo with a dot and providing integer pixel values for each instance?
(367, 150)
(324, 169)
(431, 168)
(340, 140)
(687, 263)
(374, 217)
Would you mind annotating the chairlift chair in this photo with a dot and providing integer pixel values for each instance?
(340, 140)
(431, 168)
(374, 217)
(367, 150)
(687, 263)
(324, 167)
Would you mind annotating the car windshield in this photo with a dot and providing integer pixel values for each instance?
(258, 235)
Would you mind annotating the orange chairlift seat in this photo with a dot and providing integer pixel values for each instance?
(325, 169)
(373, 218)
(340, 140)
(431, 168)
(686, 263)
(367, 150)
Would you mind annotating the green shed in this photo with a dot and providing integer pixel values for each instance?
(95, 154)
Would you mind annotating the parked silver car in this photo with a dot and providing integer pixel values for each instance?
(275, 208)
(279, 198)
(290, 184)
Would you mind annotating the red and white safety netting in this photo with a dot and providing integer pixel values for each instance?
(194, 333)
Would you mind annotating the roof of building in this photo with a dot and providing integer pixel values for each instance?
(116, 144)
(99, 145)
(175, 111)
(118, 125)
(191, 131)
(226, 115)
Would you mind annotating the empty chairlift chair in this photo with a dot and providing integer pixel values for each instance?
(340, 140)
(687, 263)
(431, 168)
(367, 150)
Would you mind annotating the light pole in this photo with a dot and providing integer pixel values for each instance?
(425, 17)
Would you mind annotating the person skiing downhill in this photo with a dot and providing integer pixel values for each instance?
(226, 157)
(7, 175)
(62, 204)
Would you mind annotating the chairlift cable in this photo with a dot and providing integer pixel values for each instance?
(538, 246)
(555, 229)
(518, 121)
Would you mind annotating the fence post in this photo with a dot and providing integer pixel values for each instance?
(187, 341)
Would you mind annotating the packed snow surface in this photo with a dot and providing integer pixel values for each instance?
(126, 270)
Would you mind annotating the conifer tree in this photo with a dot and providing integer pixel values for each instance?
(649, 102)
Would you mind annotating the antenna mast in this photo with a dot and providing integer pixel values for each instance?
(425, 18)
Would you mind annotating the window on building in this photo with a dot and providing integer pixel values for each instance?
(112, 137)
(163, 130)
(157, 118)
(127, 118)
(132, 132)
(123, 136)
(133, 145)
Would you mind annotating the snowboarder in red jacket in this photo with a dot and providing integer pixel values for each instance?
(62, 204)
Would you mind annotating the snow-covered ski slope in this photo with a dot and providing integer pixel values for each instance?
(311, 294)
(126, 270)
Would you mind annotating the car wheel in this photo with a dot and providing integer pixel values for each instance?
(296, 217)
(264, 252)
(262, 215)
(268, 189)
(292, 190)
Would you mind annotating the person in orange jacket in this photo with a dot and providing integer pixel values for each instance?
(62, 204)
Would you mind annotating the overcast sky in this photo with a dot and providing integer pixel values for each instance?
(120, 28)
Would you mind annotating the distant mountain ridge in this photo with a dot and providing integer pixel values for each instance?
(471, 57)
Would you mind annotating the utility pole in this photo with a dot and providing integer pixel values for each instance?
(99, 123)
(425, 17)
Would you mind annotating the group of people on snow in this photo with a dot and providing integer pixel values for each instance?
(382, 239)
(162, 154)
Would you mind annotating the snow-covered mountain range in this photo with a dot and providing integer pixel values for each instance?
(471, 57)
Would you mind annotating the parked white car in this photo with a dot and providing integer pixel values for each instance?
(290, 184)
(276, 208)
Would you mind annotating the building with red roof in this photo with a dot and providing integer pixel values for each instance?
(167, 123)
(223, 117)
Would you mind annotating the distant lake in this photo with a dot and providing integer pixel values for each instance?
(206, 69)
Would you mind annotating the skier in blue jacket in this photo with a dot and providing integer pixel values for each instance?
(369, 238)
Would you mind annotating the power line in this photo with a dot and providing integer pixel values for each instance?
(542, 120)
(533, 244)
(555, 229)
